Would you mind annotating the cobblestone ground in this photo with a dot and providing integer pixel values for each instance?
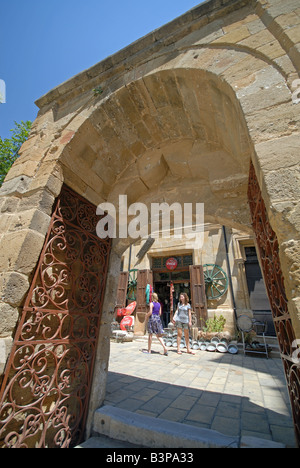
(234, 394)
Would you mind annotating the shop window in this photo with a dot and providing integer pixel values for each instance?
(180, 275)
(161, 276)
(187, 260)
(156, 263)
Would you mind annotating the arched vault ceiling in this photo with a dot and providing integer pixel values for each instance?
(177, 134)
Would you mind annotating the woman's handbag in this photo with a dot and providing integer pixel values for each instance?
(175, 317)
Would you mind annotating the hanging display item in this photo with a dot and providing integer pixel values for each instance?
(149, 291)
(132, 284)
(127, 322)
(127, 310)
(172, 290)
(216, 281)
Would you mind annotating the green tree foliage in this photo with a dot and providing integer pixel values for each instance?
(9, 147)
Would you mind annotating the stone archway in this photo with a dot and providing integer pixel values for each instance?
(193, 104)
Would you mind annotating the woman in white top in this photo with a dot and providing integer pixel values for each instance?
(183, 321)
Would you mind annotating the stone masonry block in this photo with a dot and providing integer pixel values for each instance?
(284, 184)
(290, 37)
(258, 40)
(234, 36)
(5, 222)
(281, 153)
(15, 186)
(50, 176)
(152, 168)
(9, 204)
(173, 155)
(263, 94)
(19, 251)
(295, 56)
(13, 287)
(41, 199)
(8, 319)
(5, 347)
(27, 168)
(30, 219)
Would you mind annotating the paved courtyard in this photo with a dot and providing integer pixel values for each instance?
(234, 394)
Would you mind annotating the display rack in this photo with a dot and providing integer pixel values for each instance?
(247, 325)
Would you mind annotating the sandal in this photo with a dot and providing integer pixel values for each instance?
(179, 352)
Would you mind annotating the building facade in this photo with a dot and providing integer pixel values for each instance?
(234, 283)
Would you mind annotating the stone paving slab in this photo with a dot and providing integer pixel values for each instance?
(236, 395)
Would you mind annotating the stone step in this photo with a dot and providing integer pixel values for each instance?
(142, 431)
(106, 442)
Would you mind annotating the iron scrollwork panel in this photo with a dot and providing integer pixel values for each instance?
(269, 254)
(46, 387)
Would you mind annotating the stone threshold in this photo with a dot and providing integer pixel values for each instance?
(145, 431)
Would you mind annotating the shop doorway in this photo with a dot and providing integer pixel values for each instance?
(163, 289)
(171, 276)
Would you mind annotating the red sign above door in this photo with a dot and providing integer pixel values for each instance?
(171, 264)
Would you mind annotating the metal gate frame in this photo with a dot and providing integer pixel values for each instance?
(46, 387)
(269, 254)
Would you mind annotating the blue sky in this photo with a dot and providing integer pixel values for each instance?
(44, 43)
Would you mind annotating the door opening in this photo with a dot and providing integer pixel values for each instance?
(259, 301)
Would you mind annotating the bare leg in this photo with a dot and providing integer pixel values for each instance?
(179, 336)
(149, 342)
(187, 341)
(162, 343)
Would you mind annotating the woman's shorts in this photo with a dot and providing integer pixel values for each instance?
(184, 326)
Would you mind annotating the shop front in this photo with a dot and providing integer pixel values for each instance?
(171, 276)
(217, 277)
(168, 276)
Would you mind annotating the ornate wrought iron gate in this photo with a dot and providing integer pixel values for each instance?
(45, 392)
(269, 254)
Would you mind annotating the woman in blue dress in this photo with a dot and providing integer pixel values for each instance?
(154, 323)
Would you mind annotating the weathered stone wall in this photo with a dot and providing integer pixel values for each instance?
(191, 102)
